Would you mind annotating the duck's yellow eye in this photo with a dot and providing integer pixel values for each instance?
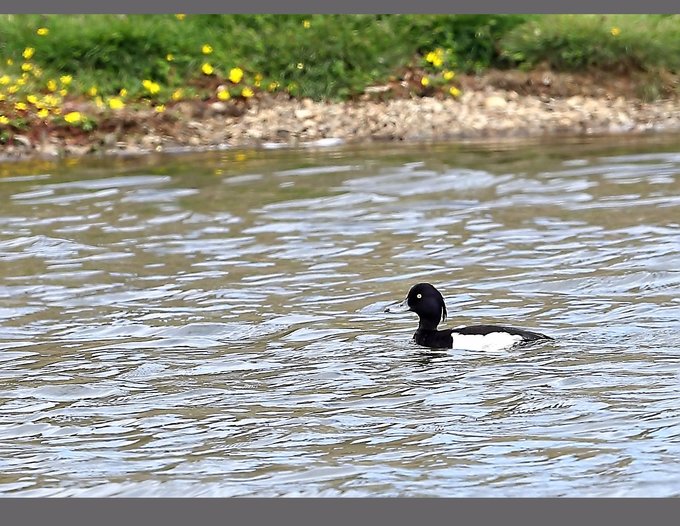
(419, 296)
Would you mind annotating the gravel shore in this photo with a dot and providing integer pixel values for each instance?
(486, 113)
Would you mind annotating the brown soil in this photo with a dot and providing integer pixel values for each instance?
(600, 84)
(630, 84)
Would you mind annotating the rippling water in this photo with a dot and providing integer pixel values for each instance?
(213, 325)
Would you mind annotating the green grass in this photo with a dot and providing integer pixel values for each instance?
(610, 42)
(334, 57)
(320, 56)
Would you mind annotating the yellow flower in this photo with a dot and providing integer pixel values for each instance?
(43, 113)
(28, 53)
(99, 102)
(56, 111)
(10, 62)
(207, 69)
(177, 94)
(435, 57)
(206, 49)
(21, 81)
(151, 86)
(2, 96)
(51, 100)
(300, 65)
(42, 31)
(66, 79)
(92, 92)
(26, 66)
(4, 80)
(425, 81)
(116, 104)
(235, 75)
(12, 89)
(32, 99)
(247, 93)
(63, 92)
(454, 91)
(615, 31)
(4, 120)
(180, 17)
(20, 106)
(37, 72)
(169, 57)
(306, 24)
(448, 75)
(223, 94)
(52, 85)
(240, 157)
(73, 117)
(272, 86)
(123, 92)
(160, 108)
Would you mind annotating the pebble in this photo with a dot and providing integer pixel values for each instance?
(219, 108)
(495, 102)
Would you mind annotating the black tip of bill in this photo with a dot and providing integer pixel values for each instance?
(398, 306)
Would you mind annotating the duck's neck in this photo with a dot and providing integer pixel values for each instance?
(427, 325)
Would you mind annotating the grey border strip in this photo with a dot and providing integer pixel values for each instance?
(554, 512)
(346, 6)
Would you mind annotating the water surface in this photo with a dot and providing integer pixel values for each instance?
(213, 325)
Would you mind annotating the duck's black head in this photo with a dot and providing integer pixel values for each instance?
(427, 302)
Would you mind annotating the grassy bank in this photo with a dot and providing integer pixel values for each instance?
(50, 62)
(321, 56)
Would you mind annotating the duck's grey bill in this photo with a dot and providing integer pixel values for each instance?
(398, 307)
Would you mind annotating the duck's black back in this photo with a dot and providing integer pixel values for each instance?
(527, 336)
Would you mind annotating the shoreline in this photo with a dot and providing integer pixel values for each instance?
(483, 112)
